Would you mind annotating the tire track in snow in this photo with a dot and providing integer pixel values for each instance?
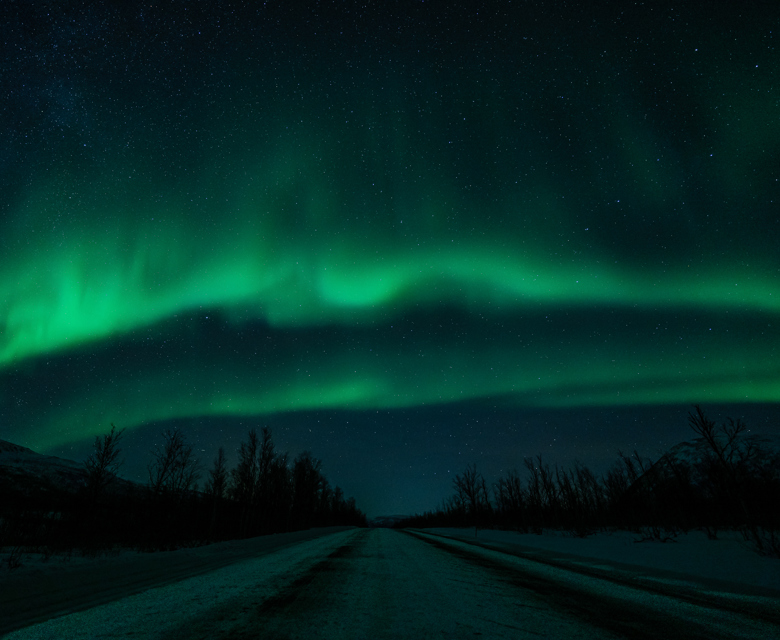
(625, 610)
(754, 602)
(293, 597)
(383, 584)
(289, 598)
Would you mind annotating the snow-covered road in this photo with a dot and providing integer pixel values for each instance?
(388, 584)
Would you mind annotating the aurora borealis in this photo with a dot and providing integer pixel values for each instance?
(251, 214)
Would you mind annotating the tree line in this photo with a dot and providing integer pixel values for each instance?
(732, 483)
(265, 492)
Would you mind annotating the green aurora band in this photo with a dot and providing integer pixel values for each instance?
(291, 251)
(476, 190)
(558, 359)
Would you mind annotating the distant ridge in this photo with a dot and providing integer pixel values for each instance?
(385, 521)
(25, 473)
(10, 447)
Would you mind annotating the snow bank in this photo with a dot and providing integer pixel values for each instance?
(42, 589)
(730, 559)
(155, 612)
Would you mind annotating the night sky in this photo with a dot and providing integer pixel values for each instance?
(406, 237)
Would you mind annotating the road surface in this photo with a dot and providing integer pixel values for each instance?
(381, 583)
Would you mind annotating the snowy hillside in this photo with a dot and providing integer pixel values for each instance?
(23, 472)
(693, 455)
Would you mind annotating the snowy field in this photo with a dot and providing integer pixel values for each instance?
(380, 583)
(692, 556)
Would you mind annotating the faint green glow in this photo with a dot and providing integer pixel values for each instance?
(406, 368)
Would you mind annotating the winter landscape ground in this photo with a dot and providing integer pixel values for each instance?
(382, 583)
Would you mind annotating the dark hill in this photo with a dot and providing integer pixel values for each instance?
(25, 474)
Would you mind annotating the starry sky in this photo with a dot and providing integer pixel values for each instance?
(406, 237)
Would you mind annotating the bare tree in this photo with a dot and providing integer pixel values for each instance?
(216, 485)
(338, 503)
(635, 466)
(280, 491)
(581, 497)
(307, 488)
(549, 488)
(569, 498)
(265, 459)
(244, 479)
(472, 491)
(244, 475)
(724, 446)
(534, 490)
(453, 506)
(724, 443)
(615, 484)
(589, 488)
(103, 463)
(510, 499)
(173, 469)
